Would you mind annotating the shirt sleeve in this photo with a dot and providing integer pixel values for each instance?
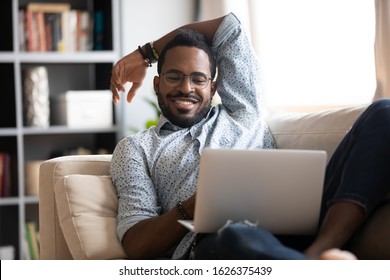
(137, 199)
(238, 80)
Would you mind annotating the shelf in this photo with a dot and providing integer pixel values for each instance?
(56, 57)
(7, 57)
(66, 130)
(68, 57)
(54, 130)
(31, 199)
(7, 201)
(21, 145)
(8, 131)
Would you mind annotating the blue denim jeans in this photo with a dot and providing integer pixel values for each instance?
(357, 172)
(359, 168)
(241, 241)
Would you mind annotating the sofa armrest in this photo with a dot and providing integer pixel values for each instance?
(52, 242)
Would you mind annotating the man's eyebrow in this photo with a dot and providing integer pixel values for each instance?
(178, 71)
(173, 70)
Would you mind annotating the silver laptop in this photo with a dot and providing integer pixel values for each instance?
(279, 190)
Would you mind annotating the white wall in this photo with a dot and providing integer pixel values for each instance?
(313, 54)
(141, 22)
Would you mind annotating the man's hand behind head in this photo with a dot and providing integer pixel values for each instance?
(130, 69)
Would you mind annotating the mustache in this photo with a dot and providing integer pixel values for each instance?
(183, 95)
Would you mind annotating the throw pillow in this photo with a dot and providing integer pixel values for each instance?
(87, 209)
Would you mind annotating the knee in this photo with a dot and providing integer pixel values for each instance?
(378, 113)
(381, 106)
(374, 122)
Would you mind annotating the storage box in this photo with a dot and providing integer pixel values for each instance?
(83, 109)
(32, 177)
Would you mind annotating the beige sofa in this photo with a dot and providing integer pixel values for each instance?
(78, 204)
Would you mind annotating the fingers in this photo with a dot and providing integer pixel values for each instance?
(114, 86)
(116, 83)
(115, 95)
(133, 90)
(115, 89)
(130, 69)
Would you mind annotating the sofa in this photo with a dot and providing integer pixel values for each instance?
(78, 203)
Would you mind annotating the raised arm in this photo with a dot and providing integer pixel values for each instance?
(132, 68)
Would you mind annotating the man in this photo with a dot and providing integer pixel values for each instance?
(155, 171)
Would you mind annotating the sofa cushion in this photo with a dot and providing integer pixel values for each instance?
(87, 209)
(322, 130)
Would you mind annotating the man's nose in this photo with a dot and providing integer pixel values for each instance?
(186, 84)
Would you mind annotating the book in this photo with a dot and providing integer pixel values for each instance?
(1, 173)
(48, 20)
(5, 174)
(57, 32)
(21, 30)
(32, 240)
(41, 36)
(84, 35)
(48, 7)
(98, 35)
(31, 32)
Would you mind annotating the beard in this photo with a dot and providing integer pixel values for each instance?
(181, 118)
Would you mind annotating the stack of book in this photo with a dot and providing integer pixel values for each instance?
(54, 27)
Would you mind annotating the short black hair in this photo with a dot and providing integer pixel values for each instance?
(188, 38)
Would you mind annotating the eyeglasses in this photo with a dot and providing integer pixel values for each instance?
(174, 78)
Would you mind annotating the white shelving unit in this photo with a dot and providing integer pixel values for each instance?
(67, 71)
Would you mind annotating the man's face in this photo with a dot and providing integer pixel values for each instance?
(184, 103)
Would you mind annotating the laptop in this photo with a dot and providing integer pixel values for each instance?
(277, 189)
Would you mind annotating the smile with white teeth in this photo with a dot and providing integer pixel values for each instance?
(183, 102)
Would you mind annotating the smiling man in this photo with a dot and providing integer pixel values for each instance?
(156, 170)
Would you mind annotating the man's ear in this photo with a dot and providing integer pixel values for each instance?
(156, 83)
